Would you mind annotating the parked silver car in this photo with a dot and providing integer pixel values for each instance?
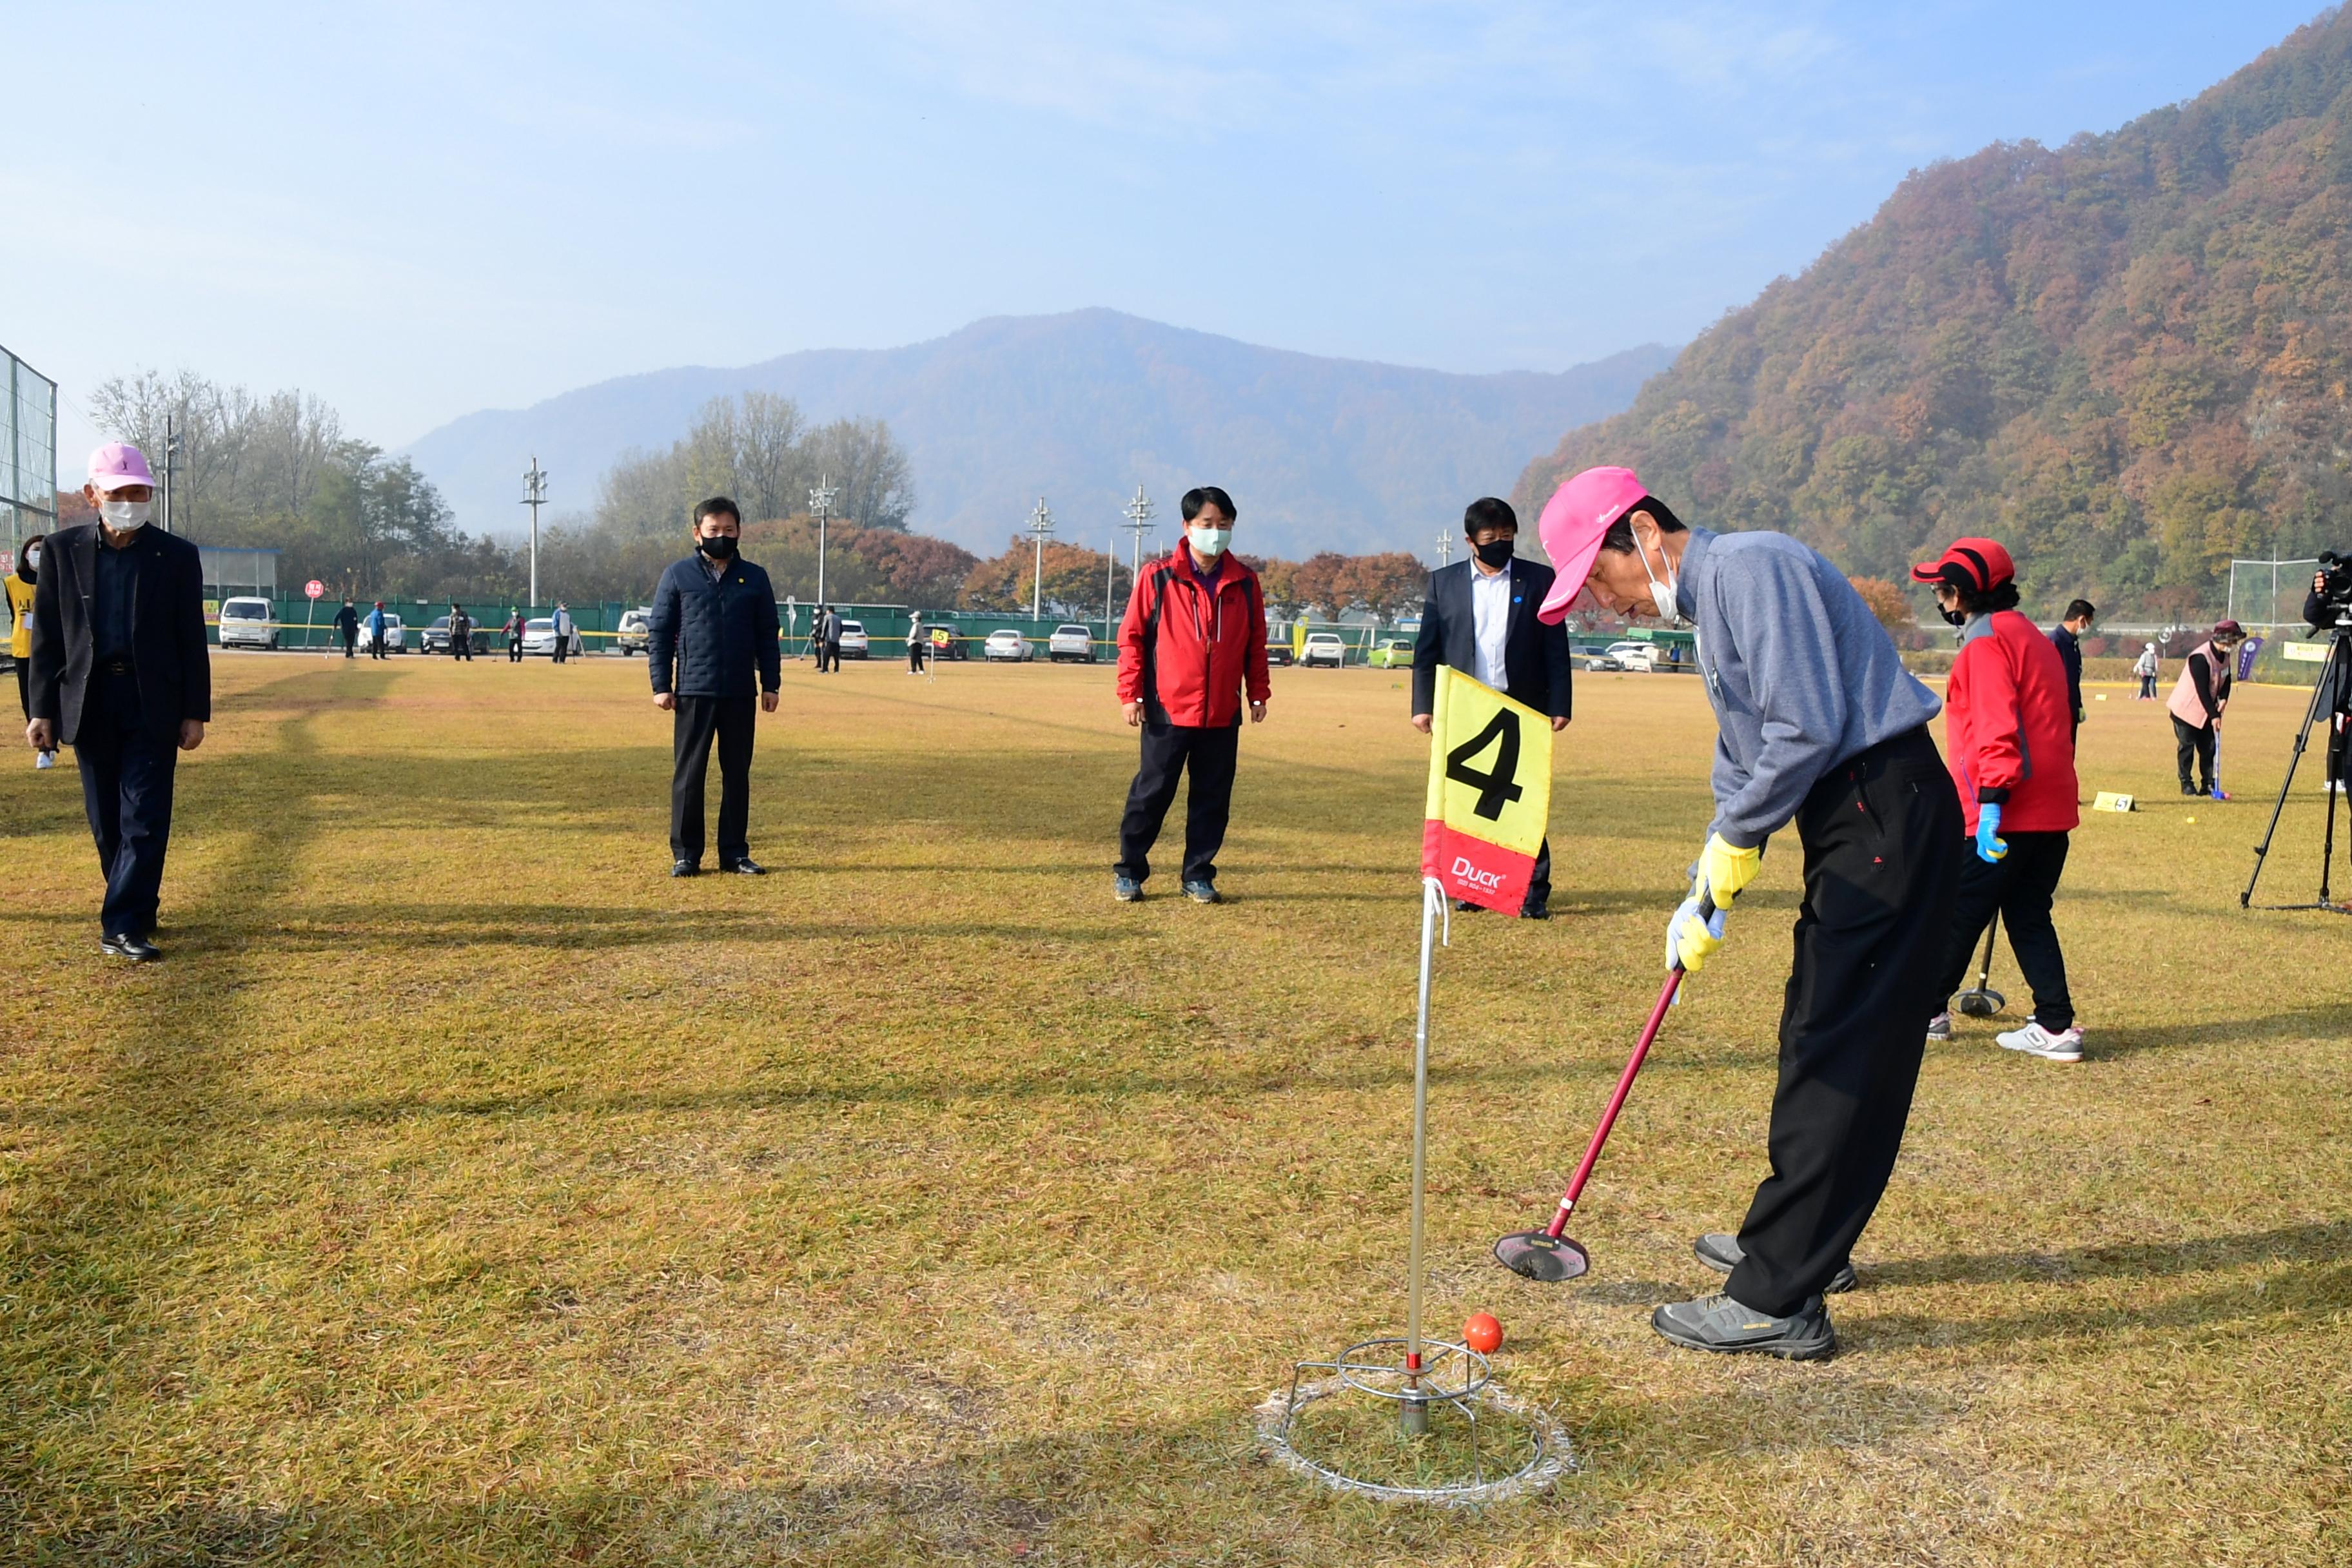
(538, 635)
(1070, 642)
(1007, 645)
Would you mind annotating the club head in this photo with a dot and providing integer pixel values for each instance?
(1982, 1002)
(1540, 1256)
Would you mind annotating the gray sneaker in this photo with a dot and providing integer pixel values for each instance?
(1721, 1253)
(1940, 1027)
(1126, 889)
(1719, 1324)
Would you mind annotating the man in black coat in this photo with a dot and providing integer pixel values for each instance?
(2068, 640)
(1480, 619)
(121, 672)
(711, 635)
(347, 621)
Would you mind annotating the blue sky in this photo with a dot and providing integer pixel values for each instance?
(419, 209)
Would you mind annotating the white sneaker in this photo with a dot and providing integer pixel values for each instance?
(2036, 1041)
(44, 759)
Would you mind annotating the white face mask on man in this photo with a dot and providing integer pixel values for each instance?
(1207, 543)
(125, 516)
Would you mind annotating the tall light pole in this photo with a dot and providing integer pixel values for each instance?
(1139, 524)
(1041, 523)
(821, 498)
(534, 496)
(174, 445)
(1445, 546)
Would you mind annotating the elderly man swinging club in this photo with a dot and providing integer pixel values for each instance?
(1819, 723)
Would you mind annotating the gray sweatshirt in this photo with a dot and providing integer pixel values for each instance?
(1800, 673)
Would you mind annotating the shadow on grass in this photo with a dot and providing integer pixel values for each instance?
(2318, 1243)
(2329, 1023)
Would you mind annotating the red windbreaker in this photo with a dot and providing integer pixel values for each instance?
(1187, 657)
(2008, 729)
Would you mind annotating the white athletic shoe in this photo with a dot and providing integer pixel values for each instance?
(44, 759)
(2036, 1041)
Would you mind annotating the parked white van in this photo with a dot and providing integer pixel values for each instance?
(244, 623)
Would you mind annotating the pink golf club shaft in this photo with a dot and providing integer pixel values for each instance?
(1616, 1103)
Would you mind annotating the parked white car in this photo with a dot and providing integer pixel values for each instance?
(538, 635)
(1072, 642)
(853, 642)
(1641, 656)
(1006, 645)
(1324, 649)
(244, 623)
(636, 630)
(395, 636)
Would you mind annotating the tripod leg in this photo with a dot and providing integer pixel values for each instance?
(2320, 695)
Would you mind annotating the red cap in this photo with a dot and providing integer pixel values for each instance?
(1980, 566)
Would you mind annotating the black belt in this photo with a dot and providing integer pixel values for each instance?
(113, 667)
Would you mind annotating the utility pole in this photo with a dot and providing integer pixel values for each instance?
(821, 498)
(1139, 524)
(1444, 547)
(1110, 586)
(534, 496)
(172, 442)
(1041, 523)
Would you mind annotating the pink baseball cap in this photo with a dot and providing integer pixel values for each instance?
(118, 465)
(1573, 520)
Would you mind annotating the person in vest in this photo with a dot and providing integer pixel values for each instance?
(562, 632)
(1819, 727)
(2008, 734)
(21, 584)
(1192, 643)
(2145, 667)
(2198, 699)
(461, 633)
(710, 648)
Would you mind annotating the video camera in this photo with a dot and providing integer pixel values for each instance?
(2335, 586)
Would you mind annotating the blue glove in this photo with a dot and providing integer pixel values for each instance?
(1690, 941)
(1991, 844)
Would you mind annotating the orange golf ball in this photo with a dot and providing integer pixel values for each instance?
(1482, 1333)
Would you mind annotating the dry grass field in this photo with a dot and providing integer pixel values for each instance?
(462, 1190)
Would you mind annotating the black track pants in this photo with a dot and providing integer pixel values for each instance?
(2194, 745)
(699, 721)
(2021, 885)
(1168, 751)
(1881, 840)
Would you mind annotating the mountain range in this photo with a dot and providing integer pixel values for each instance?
(2126, 357)
(1080, 408)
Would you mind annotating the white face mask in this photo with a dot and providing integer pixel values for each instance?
(1662, 594)
(1207, 543)
(123, 516)
(33, 559)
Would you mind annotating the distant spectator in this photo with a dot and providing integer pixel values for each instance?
(562, 632)
(347, 621)
(377, 627)
(915, 644)
(2069, 638)
(20, 636)
(461, 633)
(2146, 667)
(514, 629)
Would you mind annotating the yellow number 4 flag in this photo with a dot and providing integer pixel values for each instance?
(1489, 792)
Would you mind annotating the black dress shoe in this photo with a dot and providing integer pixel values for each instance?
(746, 867)
(686, 869)
(1537, 911)
(137, 948)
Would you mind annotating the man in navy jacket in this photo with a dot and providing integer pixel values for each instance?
(710, 643)
(1480, 619)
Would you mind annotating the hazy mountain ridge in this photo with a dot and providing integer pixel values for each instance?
(2126, 357)
(1082, 408)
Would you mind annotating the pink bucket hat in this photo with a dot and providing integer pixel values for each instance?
(118, 465)
(1573, 520)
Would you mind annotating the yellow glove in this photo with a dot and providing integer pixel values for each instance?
(1690, 941)
(1723, 871)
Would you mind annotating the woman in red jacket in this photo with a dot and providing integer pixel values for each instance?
(2008, 732)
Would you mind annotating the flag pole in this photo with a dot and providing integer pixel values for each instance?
(1412, 1414)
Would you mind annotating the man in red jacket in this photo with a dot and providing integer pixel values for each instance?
(1194, 639)
(2008, 732)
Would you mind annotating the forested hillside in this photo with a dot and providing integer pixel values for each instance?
(2126, 357)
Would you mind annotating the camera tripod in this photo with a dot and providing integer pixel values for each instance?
(2334, 679)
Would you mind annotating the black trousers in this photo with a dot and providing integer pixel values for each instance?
(462, 647)
(1881, 840)
(914, 657)
(699, 721)
(1169, 751)
(514, 650)
(126, 791)
(2021, 885)
(828, 656)
(562, 650)
(350, 642)
(376, 649)
(2196, 745)
(2147, 688)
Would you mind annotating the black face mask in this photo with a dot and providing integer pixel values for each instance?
(1498, 554)
(721, 548)
(1953, 617)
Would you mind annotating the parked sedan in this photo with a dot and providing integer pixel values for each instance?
(636, 630)
(1640, 656)
(1071, 642)
(1396, 653)
(1007, 645)
(538, 635)
(853, 643)
(395, 637)
(1325, 648)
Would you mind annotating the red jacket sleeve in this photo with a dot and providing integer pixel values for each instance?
(1254, 666)
(1995, 719)
(1130, 641)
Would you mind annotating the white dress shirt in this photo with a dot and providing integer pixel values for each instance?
(1490, 600)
